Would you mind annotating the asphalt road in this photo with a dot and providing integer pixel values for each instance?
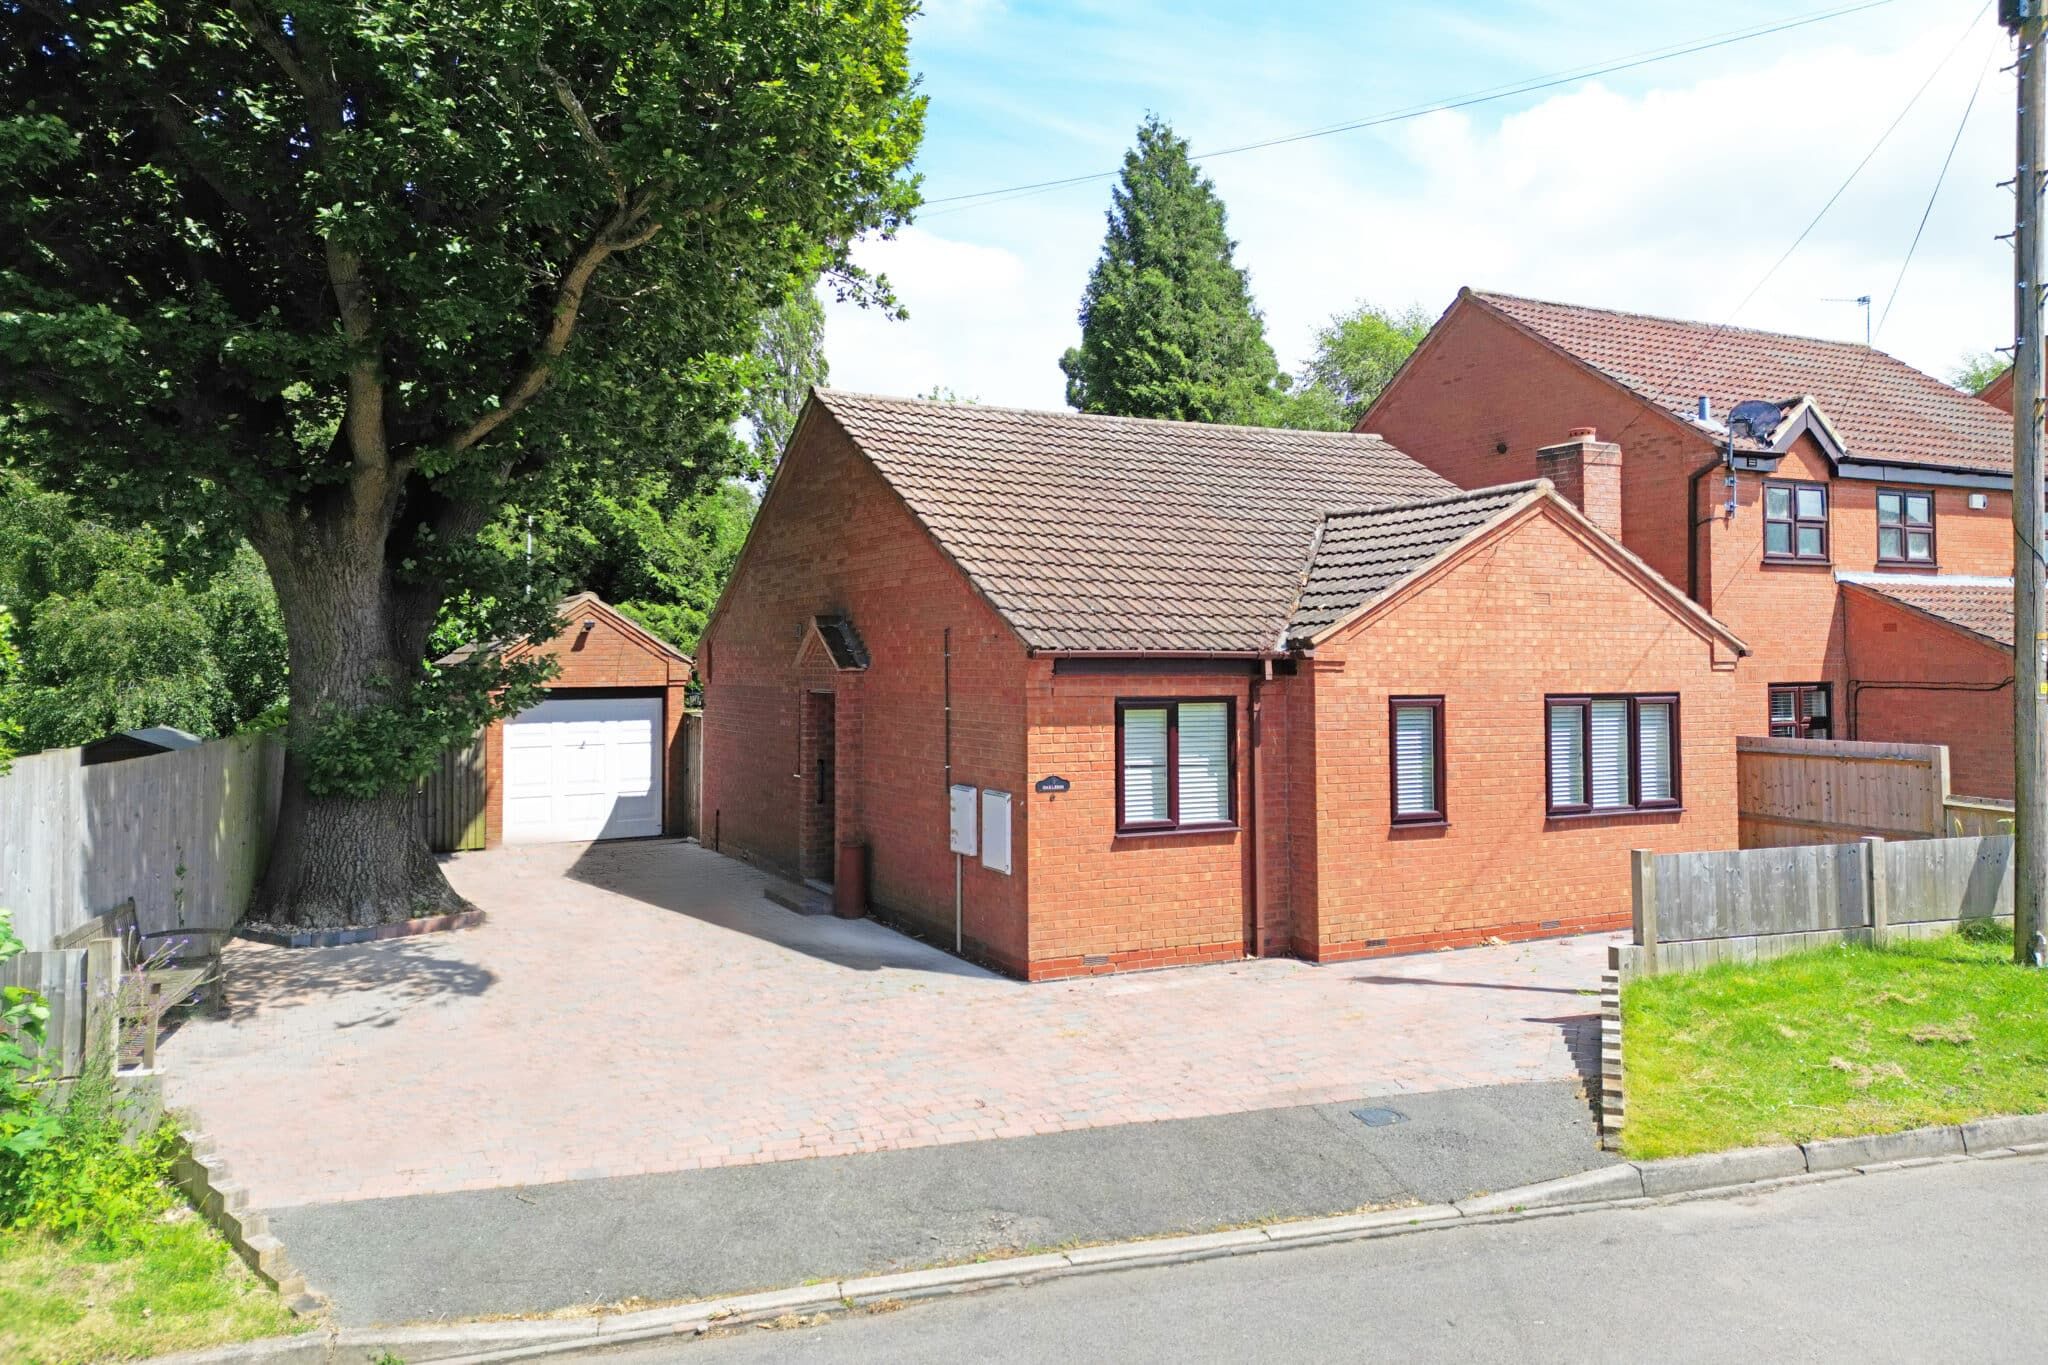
(733, 1229)
(1929, 1264)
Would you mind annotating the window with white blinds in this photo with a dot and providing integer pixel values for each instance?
(1612, 753)
(1145, 767)
(1204, 776)
(1417, 746)
(1174, 764)
(1567, 755)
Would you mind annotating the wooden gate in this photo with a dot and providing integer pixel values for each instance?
(452, 799)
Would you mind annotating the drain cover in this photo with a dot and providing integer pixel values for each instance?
(1379, 1118)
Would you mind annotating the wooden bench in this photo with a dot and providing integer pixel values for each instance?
(159, 972)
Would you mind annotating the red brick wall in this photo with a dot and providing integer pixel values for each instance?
(1970, 712)
(605, 656)
(1530, 612)
(1790, 615)
(832, 538)
(1480, 382)
(1101, 901)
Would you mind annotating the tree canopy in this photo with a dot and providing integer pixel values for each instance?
(1357, 353)
(1168, 327)
(1977, 369)
(790, 355)
(344, 278)
(118, 629)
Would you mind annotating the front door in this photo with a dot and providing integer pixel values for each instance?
(819, 777)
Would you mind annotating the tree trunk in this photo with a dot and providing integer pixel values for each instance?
(340, 861)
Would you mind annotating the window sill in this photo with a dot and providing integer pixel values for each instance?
(1177, 831)
(1421, 822)
(1609, 813)
(1796, 562)
(1906, 566)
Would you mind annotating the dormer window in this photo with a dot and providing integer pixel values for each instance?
(1796, 522)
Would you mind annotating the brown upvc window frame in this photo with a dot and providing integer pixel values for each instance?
(1440, 812)
(1802, 719)
(1583, 703)
(1905, 528)
(1794, 523)
(1172, 824)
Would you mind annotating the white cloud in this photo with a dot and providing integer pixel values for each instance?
(1673, 199)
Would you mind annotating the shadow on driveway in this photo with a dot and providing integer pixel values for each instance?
(668, 874)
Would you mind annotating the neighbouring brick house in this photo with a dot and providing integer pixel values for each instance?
(1853, 466)
(602, 757)
(1219, 690)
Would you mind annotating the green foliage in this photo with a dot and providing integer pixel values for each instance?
(1355, 358)
(345, 278)
(1977, 369)
(124, 629)
(791, 356)
(1168, 327)
(1839, 1041)
(26, 1123)
(10, 678)
(366, 751)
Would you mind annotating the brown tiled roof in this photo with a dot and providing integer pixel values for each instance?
(1363, 554)
(1122, 534)
(1883, 409)
(1980, 606)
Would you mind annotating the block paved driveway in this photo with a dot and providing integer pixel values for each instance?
(635, 1008)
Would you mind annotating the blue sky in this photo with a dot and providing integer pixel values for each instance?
(1670, 188)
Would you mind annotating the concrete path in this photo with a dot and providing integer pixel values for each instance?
(735, 1229)
(639, 1008)
(1938, 1263)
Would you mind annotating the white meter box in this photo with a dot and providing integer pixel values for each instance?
(962, 808)
(995, 831)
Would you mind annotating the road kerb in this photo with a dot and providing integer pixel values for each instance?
(477, 1343)
(919, 1284)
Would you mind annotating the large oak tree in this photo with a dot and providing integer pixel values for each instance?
(342, 277)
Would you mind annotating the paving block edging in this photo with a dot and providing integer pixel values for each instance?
(202, 1173)
(1623, 1184)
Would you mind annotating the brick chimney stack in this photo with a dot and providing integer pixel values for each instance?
(1587, 472)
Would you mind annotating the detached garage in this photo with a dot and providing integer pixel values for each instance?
(601, 758)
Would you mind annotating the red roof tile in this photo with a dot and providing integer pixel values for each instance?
(1883, 409)
(1979, 606)
(1093, 533)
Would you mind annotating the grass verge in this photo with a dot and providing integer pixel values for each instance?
(172, 1286)
(1840, 1041)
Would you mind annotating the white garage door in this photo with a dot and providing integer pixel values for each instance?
(580, 768)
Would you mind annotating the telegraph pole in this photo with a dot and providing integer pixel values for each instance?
(2030, 639)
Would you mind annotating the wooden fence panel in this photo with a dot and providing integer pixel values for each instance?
(184, 833)
(1791, 792)
(58, 975)
(1757, 903)
(1948, 879)
(452, 799)
(1754, 892)
(693, 774)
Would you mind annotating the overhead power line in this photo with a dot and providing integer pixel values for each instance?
(1647, 57)
(1939, 176)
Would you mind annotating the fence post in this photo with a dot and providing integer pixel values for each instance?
(1643, 888)
(102, 1003)
(1876, 895)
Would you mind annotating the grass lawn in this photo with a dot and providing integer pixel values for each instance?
(1829, 1043)
(176, 1287)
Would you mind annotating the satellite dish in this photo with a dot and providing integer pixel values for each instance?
(1755, 417)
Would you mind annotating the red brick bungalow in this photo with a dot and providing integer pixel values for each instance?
(1220, 691)
(1856, 466)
